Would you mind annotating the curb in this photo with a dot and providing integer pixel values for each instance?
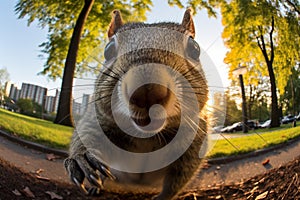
(33, 145)
(212, 161)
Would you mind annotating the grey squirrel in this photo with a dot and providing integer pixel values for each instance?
(141, 86)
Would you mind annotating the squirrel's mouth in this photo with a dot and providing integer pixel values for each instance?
(141, 121)
(149, 125)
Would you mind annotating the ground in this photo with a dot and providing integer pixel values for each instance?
(278, 183)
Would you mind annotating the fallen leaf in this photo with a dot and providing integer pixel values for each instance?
(267, 161)
(254, 189)
(262, 196)
(28, 192)
(262, 180)
(38, 171)
(53, 195)
(42, 178)
(205, 166)
(51, 156)
(16, 192)
(218, 197)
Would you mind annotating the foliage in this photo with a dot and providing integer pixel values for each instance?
(25, 105)
(4, 75)
(245, 21)
(264, 37)
(209, 6)
(233, 114)
(291, 96)
(59, 17)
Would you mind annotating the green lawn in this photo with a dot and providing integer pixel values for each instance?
(37, 130)
(58, 136)
(260, 140)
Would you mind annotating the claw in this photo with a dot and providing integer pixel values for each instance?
(80, 185)
(100, 166)
(107, 173)
(96, 181)
(94, 191)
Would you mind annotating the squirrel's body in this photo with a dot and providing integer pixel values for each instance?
(145, 65)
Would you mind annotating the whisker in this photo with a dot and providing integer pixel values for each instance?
(116, 78)
(88, 79)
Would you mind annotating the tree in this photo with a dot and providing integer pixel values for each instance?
(60, 17)
(25, 105)
(265, 35)
(233, 114)
(64, 114)
(291, 96)
(4, 76)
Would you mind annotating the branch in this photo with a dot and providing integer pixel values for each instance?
(271, 40)
(261, 43)
(294, 6)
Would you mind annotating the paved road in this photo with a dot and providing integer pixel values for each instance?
(31, 160)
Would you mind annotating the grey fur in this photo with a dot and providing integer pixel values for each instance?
(83, 162)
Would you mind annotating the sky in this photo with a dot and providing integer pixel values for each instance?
(19, 44)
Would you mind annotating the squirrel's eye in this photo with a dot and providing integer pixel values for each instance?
(110, 50)
(193, 49)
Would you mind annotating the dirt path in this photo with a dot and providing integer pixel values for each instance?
(30, 160)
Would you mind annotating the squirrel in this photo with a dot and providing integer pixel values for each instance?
(137, 108)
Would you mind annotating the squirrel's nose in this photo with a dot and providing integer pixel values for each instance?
(149, 94)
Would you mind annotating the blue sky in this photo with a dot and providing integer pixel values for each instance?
(19, 43)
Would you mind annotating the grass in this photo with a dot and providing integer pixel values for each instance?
(36, 130)
(57, 136)
(260, 140)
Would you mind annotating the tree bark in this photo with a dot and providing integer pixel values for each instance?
(64, 110)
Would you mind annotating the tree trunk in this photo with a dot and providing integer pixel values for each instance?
(275, 121)
(250, 102)
(64, 110)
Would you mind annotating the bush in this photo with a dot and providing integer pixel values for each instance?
(25, 106)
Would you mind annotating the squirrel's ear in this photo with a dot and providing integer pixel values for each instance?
(116, 22)
(188, 23)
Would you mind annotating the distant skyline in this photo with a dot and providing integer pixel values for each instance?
(19, 43)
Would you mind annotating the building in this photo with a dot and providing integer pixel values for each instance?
(51, 103)
(14, 92)
(76, 108)
(34, 92)
(7, 87)
(38, 94)
(86, 99)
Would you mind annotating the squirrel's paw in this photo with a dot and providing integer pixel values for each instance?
(87, 166)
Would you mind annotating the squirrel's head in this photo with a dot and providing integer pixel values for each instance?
(151, 75)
